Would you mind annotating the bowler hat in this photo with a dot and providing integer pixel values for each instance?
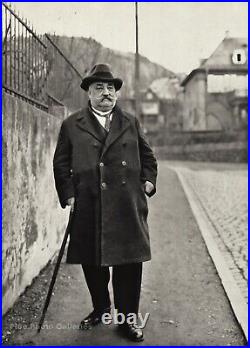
(101, 72)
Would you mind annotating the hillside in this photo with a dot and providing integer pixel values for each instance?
(84, 53)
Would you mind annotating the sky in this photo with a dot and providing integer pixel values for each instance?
(174, 34)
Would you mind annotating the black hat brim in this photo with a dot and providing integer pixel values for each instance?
(86, 82)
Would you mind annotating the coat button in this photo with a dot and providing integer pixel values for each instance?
(124, 163)
(101, 164)
(104, 185)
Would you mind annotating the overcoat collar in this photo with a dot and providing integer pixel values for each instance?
(120, 123)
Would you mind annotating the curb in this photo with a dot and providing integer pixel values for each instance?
(232, 290)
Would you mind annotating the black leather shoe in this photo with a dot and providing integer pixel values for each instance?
(132, 332)
(93, 319)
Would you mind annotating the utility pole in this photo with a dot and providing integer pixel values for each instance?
(137, 67)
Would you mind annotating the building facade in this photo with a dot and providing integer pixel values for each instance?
(215, 94)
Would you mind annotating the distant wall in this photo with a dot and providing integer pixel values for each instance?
(210, 152)
(33, 222)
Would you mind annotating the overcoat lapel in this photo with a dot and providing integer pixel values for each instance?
(88, 123)
(120, 123)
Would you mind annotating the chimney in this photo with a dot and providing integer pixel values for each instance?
(203, 61)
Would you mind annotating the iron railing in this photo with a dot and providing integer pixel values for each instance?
(25, 62)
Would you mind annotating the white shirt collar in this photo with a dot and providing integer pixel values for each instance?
(101, 113)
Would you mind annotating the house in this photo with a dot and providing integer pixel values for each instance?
(169, 92)
(150, 112)
(160, 108)
(215, 94)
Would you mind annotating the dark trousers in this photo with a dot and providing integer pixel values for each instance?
(126, 281)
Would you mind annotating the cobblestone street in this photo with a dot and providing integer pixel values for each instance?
(223, 195)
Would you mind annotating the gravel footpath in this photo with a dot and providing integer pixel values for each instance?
(27, 309)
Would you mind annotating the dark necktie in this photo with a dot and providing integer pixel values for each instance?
(107, 122)
(107, 118)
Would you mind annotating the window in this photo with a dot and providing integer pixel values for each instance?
(239, 56)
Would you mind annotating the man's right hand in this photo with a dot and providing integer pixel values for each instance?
(71, 203)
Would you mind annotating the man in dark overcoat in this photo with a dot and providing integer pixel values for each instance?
(104, 168)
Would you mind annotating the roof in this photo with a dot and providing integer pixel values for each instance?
(165, 88)
(220, 61)
(222, 56)
(149, 91)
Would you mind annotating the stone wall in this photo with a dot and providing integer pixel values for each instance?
(235, 152)
(33, 222)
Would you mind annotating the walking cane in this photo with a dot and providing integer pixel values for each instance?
(53, 279)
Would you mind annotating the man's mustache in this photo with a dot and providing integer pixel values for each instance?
(110, 98)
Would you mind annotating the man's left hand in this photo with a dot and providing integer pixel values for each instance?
(148, 187)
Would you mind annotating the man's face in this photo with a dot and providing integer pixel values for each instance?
(102, 95)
